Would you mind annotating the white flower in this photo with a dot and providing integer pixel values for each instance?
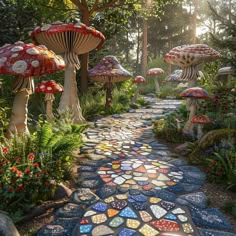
(32, 51)
(46, 27)
(19, 67)
(35, 63)
(17, 49)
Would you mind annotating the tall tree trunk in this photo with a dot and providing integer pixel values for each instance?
(144, 49)
(138, 52)
(170, 46)
(84, 59)
(194, 22)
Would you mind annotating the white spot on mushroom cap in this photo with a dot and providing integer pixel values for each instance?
(17, 49)
(14, 55)
(19, 42)
(32, 51)
(19, 66)
(42, 86)
(49, 88)
(46, 27)
(35, 63)
(3, 59)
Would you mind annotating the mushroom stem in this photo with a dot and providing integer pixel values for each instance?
(199, 131)
(109, 88)
(157, 86)
(188, 128)
(69, 99)
(18, 121)
(136, 93)
(49, 98)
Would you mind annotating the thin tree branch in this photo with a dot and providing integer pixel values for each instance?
(108, 5)
(79, 5)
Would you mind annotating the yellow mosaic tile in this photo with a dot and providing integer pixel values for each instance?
(147, 230)
(146, 217)
(122, 196)
(98, 219)
(134, 224)
(116, 166)
(154, 200)
(187, 228)
(130, 181)
(109, 199)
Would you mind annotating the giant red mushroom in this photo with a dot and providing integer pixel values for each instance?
(108, 71)
(154, 72)
(200, 120)
(49, 88)
(193, 93)
(69, 40)
(25, 61)
(138, 80)
(188, 57)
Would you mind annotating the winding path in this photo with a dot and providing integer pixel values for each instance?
(135, 186)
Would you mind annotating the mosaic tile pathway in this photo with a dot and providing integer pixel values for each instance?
(136, 186)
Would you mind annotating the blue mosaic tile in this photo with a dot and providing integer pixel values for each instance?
(195, 174)
(211, 218)
(87, 168)
(139, 198)
(119, 204)
(166, 195)
(131, 200)
(208, 232)
(126, 232)
(128, 213)
(70, 210)
(178, 188)
(198, 199)
(85, 228)
(178, 162)
(170, 217)
(189, 168)
(190, 187)
(167, 205)
(139, 206)
(106, 191)
(149, 193)
(126, 168)
(142, 183)
(134, 191)
(100, 206)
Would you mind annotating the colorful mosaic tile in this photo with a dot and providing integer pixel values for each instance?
(148, 230)
(127, 232)
(128, 213)
(165, 225)
(116, 222)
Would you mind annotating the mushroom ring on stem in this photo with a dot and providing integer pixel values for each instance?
(194, 94)
(49, 88)
(154, 72)
(107, 71)
(200, 120)
(69, 40)
(25, 61)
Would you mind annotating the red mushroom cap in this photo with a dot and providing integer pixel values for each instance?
(195, 92)
(68, 37)
(155, 71)
(201, 119)
(194, 54)
(139, 79)
(109, 70)
(27, 60)
(49, 87)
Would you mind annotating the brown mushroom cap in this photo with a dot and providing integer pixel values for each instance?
(201, 119)
(155, 71)
(27, 60)
(194, 54)
(109, 70)
(68, 37)
(49, 87)
(195, 92)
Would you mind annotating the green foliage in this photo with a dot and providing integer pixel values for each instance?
(31, 166)
(230, 207)
(3, 116)
(221, 166)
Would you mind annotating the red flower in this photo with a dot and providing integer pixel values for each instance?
(17, 159)
(19, 174)
(0, 171)
(36, 165)
(20, 189)
(14, 169)
(31, 156)
(5, 150)
(27, 171)
(10, 189)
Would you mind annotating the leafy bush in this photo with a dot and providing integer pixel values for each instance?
(221, 166)
(230, 207)
(32, 165)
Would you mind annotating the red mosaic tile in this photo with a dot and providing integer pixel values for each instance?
(166, 225)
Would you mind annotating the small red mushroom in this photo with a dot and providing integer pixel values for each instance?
(194, 94)
(200, 120)
(138, 80)
(49, 88)
(154, 72)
